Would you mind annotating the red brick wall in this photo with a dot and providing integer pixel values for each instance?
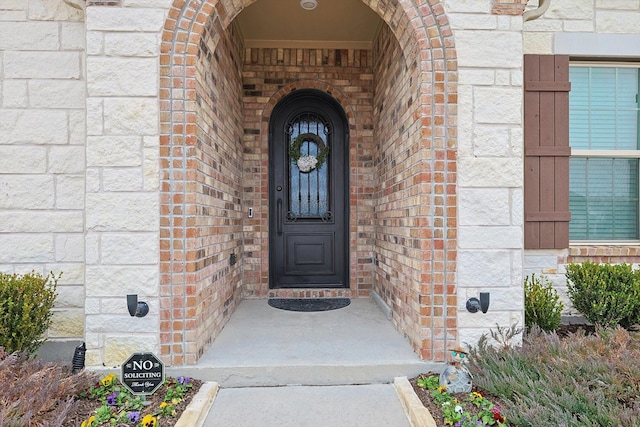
(268, 76)
(403, 191)
(414, 202)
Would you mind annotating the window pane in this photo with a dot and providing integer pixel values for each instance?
(603, 199)
(603, 115)
(603, 108)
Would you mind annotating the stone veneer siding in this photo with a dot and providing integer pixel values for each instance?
(42, 151)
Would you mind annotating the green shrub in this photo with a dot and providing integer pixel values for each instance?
(25, 310)
(606, 294)
(542, 305)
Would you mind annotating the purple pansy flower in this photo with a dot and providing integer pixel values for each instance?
(133, 417)
(111, 399)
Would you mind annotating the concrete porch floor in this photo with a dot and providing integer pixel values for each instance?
(264, 346)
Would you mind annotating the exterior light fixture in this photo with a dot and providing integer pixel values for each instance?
(136, 308)
(475, 304)
(308, 4)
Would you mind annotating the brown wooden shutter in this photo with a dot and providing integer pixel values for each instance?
(546, 151)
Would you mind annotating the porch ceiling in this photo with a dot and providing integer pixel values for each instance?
(283, 23)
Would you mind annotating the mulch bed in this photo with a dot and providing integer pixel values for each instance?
(86, 407)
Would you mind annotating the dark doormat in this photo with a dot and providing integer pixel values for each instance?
(309, 304)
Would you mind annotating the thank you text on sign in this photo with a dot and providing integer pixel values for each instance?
(143, 373)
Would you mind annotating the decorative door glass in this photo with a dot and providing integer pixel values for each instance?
(309, 155)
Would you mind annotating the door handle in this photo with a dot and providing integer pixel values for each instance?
(279, 214)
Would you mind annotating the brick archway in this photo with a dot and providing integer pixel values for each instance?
(423, 295)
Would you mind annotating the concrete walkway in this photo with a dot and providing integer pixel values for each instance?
(375, 405)
(282, 368)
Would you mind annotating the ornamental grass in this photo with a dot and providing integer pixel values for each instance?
(579, 380)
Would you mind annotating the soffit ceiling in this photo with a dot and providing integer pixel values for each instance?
(337, 24)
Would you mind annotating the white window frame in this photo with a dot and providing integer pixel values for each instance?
(621, 154)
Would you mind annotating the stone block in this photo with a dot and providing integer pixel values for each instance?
(131, 116)
(70, 297)
(14, 5)
(579, 26)
(12, 15)
(125, 19)
(118, 348)
(569, 9)
(69, 247)
(77, 127)
(92, 251)
(56, 94)
(470, 21)
(468, 76)
(95, 42)
(104, 281)
(122, 76)
(478, 268)
(114, 151)
(95, 121)
(41, 221)
(72, 272)
(70, 192)
(480, 206)
(498, 105)
(618, 4)
(94, 180)
(468, 6)
(131, 44)
(67, 323)
(130, 248)
(122, 180)
(110, 324)
(42, 65)
(66, 159)
(490, 172)
(517, 207)
(14, 94)
(72, 36)
(490, 49)
(151, 172)
(30, 36)
(26, 247)
(491, 141)
(53, 10)
(33, 127)
(23, 159)
(163, 4)
(122, 212)
(489, 237)
(17, 192)
(618, 22)
(483, 320)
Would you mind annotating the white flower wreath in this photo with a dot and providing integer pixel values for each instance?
(308, 163)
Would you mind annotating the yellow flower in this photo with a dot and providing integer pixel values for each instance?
(88, 422)
(176, 400)
(476, 395)
(149, 421)
(163, 404)
(108, 380)
(442, 388)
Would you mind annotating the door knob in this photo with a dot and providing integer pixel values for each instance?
(279, 188)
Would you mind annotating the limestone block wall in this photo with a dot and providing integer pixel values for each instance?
(122, 178)
(490, 162)
(592, 28)
(42, 143)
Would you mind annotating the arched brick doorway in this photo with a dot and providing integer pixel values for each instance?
(215, 109)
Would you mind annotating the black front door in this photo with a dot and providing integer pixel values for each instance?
(308, 193)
